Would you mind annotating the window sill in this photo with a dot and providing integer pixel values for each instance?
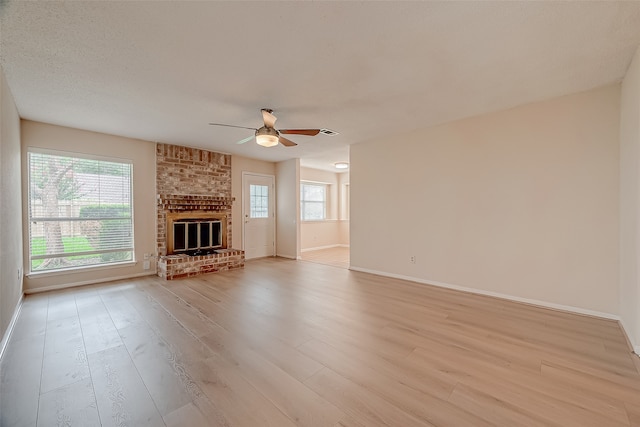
(74, 270)
(315, 221)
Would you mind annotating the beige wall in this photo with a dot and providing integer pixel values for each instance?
(320, 234)
(332, 231)
(143, 156)
(520, 203)
(630, 202)
(288, 208)
(343, 182)
(11, 260)
(239, 165)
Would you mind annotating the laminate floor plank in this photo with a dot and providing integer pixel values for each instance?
(302, 405)
(556, 409)
(287, 343)
(633, 412)
(235, 315)
(285, 357)
(181, 342)
(617, 387)
(98, 330)
(32, 322)
(358, 402)
(495, 411)
(65, 358)
(122, 313)
(20, 377)
(121, 395)
(336, 257)
(161, 369)
(348, 421)
(193, 319)
(188, 415)
(430, 382)
(61, 306)
(424, 406)
(70, 405)
(240, 402)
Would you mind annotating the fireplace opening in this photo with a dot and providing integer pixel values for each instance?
(195, 234)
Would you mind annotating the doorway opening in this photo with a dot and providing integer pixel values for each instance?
(324, 217)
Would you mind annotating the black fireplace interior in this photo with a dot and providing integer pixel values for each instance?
(197, 236)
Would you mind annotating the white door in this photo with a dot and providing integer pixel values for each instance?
(258, 211)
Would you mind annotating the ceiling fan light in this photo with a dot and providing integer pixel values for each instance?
(341, 165)
(267, 140)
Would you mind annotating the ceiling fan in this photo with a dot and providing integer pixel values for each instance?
(267, 135)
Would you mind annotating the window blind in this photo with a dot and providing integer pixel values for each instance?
(313, 201)
(80, 211)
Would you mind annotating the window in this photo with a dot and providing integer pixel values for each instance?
(313, 201)
(259, 201)
(80, 211)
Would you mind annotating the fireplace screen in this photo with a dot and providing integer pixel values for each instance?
(194, 234)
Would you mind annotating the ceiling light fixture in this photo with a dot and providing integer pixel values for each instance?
(267, 137)
(341, 165)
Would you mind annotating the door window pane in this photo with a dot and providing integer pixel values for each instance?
(259, 201)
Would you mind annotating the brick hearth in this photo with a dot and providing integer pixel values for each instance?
(178, 266)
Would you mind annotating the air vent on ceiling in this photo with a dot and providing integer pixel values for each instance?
(328, 132)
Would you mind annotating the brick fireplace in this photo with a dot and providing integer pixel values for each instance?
(194, 212)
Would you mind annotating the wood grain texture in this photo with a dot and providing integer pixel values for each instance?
(288, 343)
(121, 395)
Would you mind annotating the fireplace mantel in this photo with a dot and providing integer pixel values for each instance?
(189, 202)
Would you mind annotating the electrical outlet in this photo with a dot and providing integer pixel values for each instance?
(146, 265)
(412, 259)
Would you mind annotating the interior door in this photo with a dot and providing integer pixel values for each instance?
(258, 211)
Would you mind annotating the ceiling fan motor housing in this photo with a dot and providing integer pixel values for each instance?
(264, 130)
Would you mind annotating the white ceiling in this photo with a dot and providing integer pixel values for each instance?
(161, 71)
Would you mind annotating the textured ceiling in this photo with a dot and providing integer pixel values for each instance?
(161, 71)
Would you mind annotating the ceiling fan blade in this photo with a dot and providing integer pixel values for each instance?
(287, 142)
(245, 140)
(268, 118)
(231, 126)
(308, 132)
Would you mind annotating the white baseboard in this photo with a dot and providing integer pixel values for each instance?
(287, 256)
(632, 343)
(87, 282)
(318, 248)
(539, 303)
(12, 324)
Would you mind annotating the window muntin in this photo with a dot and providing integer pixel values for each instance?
(313, 201)
(80, 211)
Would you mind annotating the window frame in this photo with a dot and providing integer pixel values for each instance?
(33, 219)
(303, 202)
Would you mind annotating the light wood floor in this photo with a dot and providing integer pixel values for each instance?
(285, 343)
(337, 257)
